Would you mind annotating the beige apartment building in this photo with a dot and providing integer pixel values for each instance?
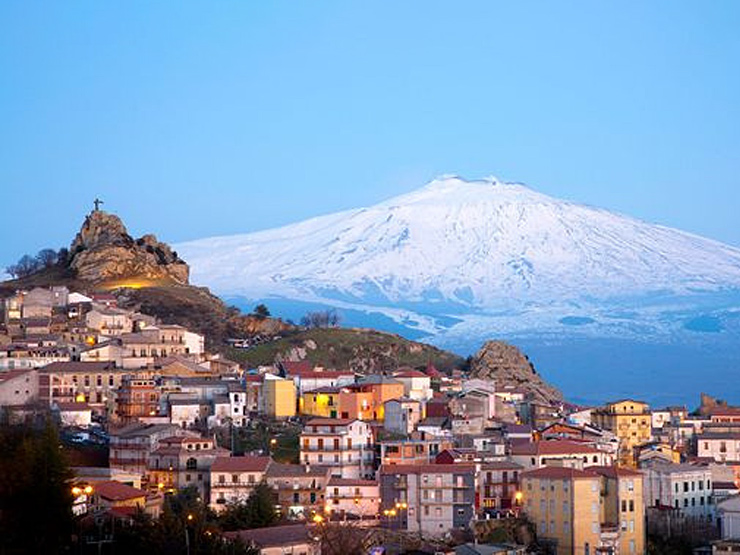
(598, 510)
(630, 421)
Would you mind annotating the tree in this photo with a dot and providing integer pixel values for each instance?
(258, 511)
(261, 312)
(321, 319)
(35, 497)
(46, 258)
(26, 266)
(62, 256)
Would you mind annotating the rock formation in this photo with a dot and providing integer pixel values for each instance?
(104, 251)
(506, 365)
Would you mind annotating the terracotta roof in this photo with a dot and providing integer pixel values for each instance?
(71, 406)
(11, 374)
(558, 473)
(291, 367)
(351, 482)
(320, 374)
(552, 447)
(247, 463)
(77, 367)
(614, 471)
(116, 491)
(275, 536)
(431, 371)
(330, 421)
(410, 374)
(426, 468)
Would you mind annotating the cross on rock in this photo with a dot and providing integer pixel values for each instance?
(97, 202)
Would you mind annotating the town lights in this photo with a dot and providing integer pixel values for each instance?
(273, 442)
(88, 490)
(190, 517)
(76, 491)
(518, 496)
(318, 519)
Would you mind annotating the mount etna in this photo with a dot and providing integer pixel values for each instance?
(606, 305)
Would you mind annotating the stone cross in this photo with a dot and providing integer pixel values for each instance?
(97, 202)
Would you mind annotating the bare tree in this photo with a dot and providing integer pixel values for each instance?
(47, 258)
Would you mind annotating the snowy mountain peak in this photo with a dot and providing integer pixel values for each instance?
(481, 244)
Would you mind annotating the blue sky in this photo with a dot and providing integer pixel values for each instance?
(193, 119)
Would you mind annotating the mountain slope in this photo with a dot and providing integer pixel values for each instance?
(481, 245)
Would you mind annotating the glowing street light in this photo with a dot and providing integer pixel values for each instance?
(518, 496)
(318, 519)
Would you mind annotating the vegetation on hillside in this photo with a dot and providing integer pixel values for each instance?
(349, 348)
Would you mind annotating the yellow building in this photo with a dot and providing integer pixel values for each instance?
(630, 421)
(322, 402)
(278, 397)
(623, 506)
(598, 510)
(564, 505)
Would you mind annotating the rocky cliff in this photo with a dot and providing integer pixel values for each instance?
(506, 365)
(104, 251)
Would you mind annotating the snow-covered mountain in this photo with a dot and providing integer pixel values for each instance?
(461, 261)
(479, 244)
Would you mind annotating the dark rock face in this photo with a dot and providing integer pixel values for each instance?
(103, 250)
(506, 365)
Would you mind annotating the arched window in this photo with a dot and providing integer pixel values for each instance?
(191, 464)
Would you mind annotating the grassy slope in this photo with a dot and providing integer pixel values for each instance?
(352, 348)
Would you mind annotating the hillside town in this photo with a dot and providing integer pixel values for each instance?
(412, 460)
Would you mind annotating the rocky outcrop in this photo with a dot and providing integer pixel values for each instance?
(506, 365)
(104, 251)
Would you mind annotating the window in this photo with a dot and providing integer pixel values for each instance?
(624, 506)
(191, 464)
(632, 505)
(251, 478)
(234, 478)
(426, 510)
(296, 497)
(438, 512)
(221, 479)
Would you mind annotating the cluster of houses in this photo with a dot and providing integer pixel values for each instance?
(414, 450)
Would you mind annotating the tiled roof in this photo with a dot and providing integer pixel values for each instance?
(351, 482)
(410, 374)
(275, 536)
(116, 491)
(77, 367)
(426, 468)
(71, 406)
(12, 374)
(558, 473)
(330, 421)
(553, 447)
(247, 463)
(614, 471)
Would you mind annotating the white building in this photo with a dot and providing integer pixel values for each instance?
(344, 444)
(564, 453)
(720, 446)
(74, 414)
(234, 478)
(681, 486)
(416, 385)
